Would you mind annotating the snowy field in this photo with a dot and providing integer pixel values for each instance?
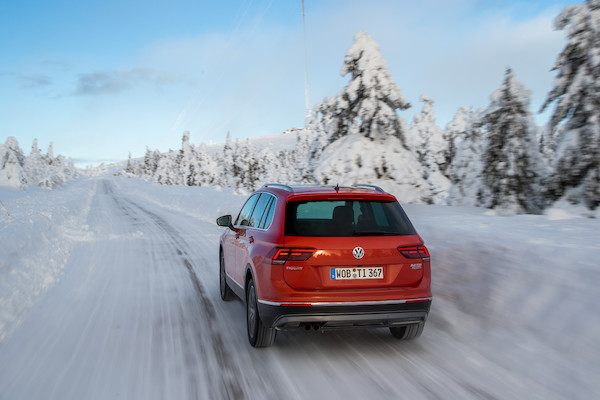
(109, 289)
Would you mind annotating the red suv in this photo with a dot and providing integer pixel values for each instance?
(324, 257)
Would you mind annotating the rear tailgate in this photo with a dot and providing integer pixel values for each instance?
(334, 266)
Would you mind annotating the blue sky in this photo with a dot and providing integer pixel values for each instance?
(104, 78)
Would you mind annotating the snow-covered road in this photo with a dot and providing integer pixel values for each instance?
(129, 319)
(136, 314)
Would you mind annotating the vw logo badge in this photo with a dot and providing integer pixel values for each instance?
(358, 253)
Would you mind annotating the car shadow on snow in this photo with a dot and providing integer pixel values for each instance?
(372, 340)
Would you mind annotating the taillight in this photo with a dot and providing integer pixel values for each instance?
(414, 252)
(281, 255)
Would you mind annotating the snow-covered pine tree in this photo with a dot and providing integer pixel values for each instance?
(71, 170)
(512, 163)
(366, 139)
(205, 168)
(54, 175)
(167, 172)
(156, 156)
(547, 141)
(465, 171)
(268, 167)
(576, 93)
(59, 176)
(239, 165)
(35, 166)
(149, 167)
(302, 158)
(185, 161)
(285, 163)
(456, 131)
(427, 140)
(129, 169)
(12, 161)
(319, 133)
(227, 177)
(246, 164)
(368, 104)
(429, 143)
(50, 154)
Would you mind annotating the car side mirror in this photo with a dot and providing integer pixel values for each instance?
(225, 221)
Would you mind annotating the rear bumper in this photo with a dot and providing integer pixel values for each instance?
(344, 315)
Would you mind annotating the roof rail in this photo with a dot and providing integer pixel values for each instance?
(364, 185)
(279, 185)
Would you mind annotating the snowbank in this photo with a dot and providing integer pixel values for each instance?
(38, 229)
(521, 290)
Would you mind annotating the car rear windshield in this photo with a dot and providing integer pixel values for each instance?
(346, 218)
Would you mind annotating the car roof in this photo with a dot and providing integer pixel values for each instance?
(327, 191)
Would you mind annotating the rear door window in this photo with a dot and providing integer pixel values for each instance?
(346, 218)
(243, 218)
(261, 211)
(267, 215)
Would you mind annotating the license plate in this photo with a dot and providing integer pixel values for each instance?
(338, 274)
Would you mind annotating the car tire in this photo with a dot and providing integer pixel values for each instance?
(226, 293)
(258, 334)
(407, 332)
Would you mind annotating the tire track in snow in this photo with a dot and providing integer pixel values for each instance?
(224, 383)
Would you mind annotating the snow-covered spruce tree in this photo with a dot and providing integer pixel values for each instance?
(427, 140)
(268, 167)
(368, 104)
(576, 94)
(59, 172)
(456, 131)
(285, 164)
(205, 168)
(238, 166)
(512, 164)
(246, 165)
(149, 166)
(167, 171)
(227, 176)
(12, 160)
(302, 158)
(36, 166)
(55, 175)
(364, 136)
(466, 148)
(430, 145)
(319, 123)
(130, 169)
(156, 156)
(50, 153)
(71, 170)
(185, 161)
